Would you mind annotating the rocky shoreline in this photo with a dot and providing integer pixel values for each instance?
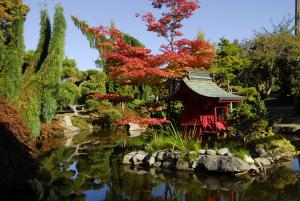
(220, 161)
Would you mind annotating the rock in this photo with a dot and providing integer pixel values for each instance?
(161, 156)
(202, 151)
(224, 152)
(270, 159)
(149, 160)
(248, 159)
(211, 152)
(127, 160)
(169, 164)
(261, 162)
(136, 129)
(183, 165)
(157, 164)
(208, 163)
(260, 152)
(254, 169)
(176, 154)
(225, 164)
(139, 157)
(232, 165)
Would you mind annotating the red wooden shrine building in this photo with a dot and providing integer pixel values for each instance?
(205, 104)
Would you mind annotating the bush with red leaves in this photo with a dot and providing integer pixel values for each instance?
(144, 121)
(11, 120)
(116, 98)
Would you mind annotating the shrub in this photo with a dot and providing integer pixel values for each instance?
(249, 119)
(176, 140)
(158, 142)
(240, 153)
(109, 117)
(91, 103)
(81, 122)
(277, 143)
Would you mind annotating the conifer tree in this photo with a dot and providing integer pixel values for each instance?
(51, 67)
(11, 47)
(45, 35)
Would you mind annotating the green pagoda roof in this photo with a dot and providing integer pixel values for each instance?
(201, 83)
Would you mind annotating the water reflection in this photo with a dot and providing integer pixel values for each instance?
(98, 175)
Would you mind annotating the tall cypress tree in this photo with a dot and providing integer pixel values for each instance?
(12, 48)
(45, 36)
(30, 99)
(51, 67)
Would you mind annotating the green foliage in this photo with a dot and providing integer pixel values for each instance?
(45, 36)
(11, 55)
(158, 142)
(93, 82)
(276, 143)
(229, 63)
(68, 94)
(275, 62)
(249, 119)
(240, 153)
(173, 138)
(108, 118)
(92, 103)
(41, 74)
(81, 122)
(70, 72)
(52, 65)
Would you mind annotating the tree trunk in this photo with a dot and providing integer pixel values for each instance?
(297, 104)
(73, 107)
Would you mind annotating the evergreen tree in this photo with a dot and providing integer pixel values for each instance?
(11, 47)
(45, 35)
(52, 67)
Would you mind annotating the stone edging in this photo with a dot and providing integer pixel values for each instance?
(210, 160)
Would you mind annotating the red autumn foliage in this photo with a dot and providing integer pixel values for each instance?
(130, 65)
(169, 24)
(112, 97)
(136, 65)
(11, 121)
(144, 121)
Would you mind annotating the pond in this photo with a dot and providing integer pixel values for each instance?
(90, 169)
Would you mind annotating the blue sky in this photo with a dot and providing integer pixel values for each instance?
(233, 19)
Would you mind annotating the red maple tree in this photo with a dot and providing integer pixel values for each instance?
(136, 65)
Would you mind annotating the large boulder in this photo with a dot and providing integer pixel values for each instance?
(225, 164)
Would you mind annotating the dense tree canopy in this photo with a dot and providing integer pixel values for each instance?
(136, 65)
(230, 64)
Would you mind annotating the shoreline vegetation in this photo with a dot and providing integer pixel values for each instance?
(45, 99)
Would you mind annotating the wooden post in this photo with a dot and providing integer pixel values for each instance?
(200, 134)
(297, 17)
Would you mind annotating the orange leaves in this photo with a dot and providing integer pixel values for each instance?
(170, 22)
(136, 65)
(112, 97)
(144, 121)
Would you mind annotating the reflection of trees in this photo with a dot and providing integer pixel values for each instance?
(282, 184)
(100, 169)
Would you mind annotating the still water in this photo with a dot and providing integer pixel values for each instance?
(89, 169)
